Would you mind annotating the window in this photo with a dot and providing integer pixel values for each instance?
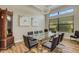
(53, 14)
(66, 11)
(53, 24)
(61, 12)
(66, 24)
(63, 24)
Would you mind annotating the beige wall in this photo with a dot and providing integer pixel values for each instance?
(76, 18)
(19, 31)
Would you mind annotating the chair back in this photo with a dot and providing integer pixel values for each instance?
(30, 33)
(26, 41)
(61, 37)
(77, 33)
(54, 43)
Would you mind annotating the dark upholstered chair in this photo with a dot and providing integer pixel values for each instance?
(61, 37)
(29, 41)
(30, 34)
(36, 33)
(40, 31)
(52, 37)
(76, 35)
(51, 45)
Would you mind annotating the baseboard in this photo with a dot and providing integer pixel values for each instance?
(66, 37)
(18, 41)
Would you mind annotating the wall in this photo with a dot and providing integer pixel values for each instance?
(19, 31)
(76, 18)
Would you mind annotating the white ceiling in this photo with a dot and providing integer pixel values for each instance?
(45, 8)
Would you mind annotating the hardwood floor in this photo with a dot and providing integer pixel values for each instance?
(70, 46)
(18, 48)
(67, 46)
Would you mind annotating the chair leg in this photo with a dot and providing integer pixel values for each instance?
(51, 50)
(61, 44)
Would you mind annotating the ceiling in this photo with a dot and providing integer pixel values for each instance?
(43, 9)
(46, 8)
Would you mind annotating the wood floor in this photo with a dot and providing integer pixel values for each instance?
(67, 46)
(70, 46)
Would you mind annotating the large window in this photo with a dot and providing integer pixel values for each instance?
(63, 24)
(66, 24)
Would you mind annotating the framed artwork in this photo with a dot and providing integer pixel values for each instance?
(25, 21)
(35, 21)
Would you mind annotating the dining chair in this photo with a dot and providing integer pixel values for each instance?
(51, 45)
(61, 37)
(76, 35)
(30, 42)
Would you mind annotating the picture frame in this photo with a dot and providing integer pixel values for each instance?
(25, 21)
(35, 22)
